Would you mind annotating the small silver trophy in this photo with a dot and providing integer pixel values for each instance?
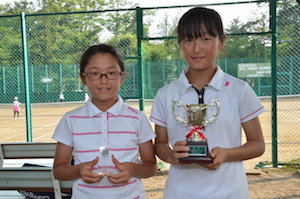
(195, 115)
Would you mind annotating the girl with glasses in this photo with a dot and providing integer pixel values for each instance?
(111, 142)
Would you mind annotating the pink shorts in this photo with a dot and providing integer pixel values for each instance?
(16, 108)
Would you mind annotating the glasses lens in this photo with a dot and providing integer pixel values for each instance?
(93, 76)
(109, 75)
(112, 75)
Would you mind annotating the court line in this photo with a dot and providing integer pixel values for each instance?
(297, 118)
(24, 133)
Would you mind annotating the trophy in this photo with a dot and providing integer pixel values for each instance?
(195, 115)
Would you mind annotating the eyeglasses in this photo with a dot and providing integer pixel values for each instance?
(109, 75)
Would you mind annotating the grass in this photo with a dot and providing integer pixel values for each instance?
(290, 166)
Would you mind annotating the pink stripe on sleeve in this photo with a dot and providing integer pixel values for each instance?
(132, 110)
(252, 113)
(158, 120)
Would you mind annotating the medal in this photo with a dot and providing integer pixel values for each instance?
(104, 151)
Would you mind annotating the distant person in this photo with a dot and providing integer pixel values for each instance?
(61, 97)
(86, 97)
(16, 107)
(200, 36)
(111, 142)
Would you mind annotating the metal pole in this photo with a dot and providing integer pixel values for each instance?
(60, 78)
(26, 78)
(4, 81)
(18, 80)
(32, 79)
(139, 27)
(274, 83)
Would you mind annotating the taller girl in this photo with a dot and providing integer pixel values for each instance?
(200, 37)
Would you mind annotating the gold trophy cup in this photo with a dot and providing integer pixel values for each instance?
(195, 115)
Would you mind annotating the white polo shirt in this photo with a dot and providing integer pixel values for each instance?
(120, 129)
(238, 104)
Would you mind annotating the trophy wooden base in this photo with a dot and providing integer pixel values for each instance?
(198, 153)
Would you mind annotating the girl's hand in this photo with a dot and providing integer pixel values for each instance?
(86, 172)
(219, 156)
(180, 151)
(126, 170)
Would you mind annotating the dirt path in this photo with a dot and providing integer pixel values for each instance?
(270, 184)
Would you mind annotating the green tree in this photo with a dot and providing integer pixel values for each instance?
(17, 7)
(246, 46)
(288, 20)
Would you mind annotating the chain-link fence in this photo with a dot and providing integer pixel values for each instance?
(44, 62)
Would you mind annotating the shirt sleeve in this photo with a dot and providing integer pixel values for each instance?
(145, 131)
(158, 113)
(250, 106)
(63, 133)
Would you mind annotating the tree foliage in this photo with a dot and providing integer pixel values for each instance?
(58, 31)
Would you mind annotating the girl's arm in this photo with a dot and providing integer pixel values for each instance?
(163, 150)
(62, 169)
(254, 146)
(146, 169)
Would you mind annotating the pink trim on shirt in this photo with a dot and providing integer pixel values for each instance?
(252, 113)
(101, 187)
(83, 117)
(87, 151)
(128, 149)
(91, 133)
(132, 110)
(126, 116)
(104, 167)
(157, 120)
(119, 132)
(97, 150)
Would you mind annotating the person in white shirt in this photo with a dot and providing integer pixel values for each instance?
(16, 107)
(200, 37)
(111, 142)
(61, 97)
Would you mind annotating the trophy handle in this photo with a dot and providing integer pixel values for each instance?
(214, 116)
(176, 114)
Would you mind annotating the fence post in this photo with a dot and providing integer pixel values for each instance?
(274, 83)
(26, 77)
(4, 84)
(139, 30)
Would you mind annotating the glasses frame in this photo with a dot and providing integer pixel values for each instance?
(103, 74)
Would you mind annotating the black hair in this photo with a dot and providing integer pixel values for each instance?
(100, 48)
(193, 22)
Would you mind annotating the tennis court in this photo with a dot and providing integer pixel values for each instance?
(45, 117)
